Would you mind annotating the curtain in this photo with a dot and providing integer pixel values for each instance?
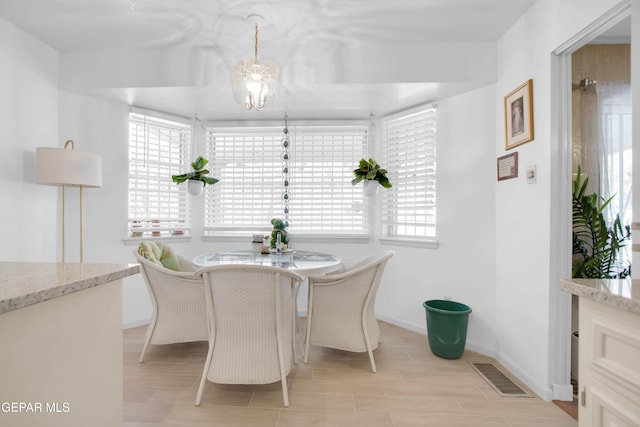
(604, 147)
(614, 123)
(587, 147)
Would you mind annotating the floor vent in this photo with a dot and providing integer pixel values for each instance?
(498, 380)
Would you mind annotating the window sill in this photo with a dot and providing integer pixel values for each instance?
(130, 241)
(301, 238)
(413, 243)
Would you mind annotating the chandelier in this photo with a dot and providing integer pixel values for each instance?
(254, 81)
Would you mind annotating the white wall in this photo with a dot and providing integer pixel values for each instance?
(463, 266)
(101, 127)
(28, 119)
(525, 282)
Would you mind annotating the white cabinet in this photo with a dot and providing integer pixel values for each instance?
(61, 344)
(609, 366)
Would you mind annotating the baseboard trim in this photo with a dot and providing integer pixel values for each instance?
(562, 392)
(422, 329)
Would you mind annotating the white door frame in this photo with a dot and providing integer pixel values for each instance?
(561, 198)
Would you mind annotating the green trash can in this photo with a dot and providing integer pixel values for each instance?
(447, 327)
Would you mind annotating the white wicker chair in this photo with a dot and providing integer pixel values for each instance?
(179, 312)
(341, 309)
(251, 311)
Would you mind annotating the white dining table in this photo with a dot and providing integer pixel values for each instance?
(304, 263)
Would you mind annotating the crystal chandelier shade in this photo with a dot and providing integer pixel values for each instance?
(254, 81)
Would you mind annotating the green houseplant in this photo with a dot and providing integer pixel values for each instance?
(198, 178)
(596, 244)
(279, 228)
(369, 172)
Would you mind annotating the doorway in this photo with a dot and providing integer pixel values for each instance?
(609, 25)
(601, 143)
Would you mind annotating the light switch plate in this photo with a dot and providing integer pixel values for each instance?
(532, 174)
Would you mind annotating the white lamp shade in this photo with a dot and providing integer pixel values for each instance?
(57, 166)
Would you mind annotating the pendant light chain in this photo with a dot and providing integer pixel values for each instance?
(256, 44)
(195, 143)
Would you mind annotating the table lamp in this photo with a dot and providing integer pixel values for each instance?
(60, 166)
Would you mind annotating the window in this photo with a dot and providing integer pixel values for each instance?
(324, 200)
(158, 148)
(247, 163)
(409, 207)
(247, 160)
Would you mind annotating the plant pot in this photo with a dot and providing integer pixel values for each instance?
(370, 187)
(195, 187)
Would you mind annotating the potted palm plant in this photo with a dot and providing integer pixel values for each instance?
(197, 179)
(370, 172)
(596, 242)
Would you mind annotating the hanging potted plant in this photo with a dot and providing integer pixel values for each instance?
(372, 174)
(197, 179)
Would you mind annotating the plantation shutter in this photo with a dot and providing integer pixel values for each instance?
(247, 160)
(323, 199)
(247, 163)
(409, 207)
(158, 148)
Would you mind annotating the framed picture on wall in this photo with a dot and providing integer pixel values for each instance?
(518, 115)
(508, 166)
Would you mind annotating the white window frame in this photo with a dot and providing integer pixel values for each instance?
(304, 136)
(409, 143)
(159, 146)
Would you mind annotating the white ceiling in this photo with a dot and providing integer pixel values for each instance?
(332, 38)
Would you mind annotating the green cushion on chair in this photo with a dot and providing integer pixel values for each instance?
(160, 254)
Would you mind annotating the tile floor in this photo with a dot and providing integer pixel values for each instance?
(411, 388)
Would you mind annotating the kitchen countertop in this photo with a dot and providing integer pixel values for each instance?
(620, 293)
(27, 283)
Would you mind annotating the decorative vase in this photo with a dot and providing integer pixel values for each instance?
(370, 187)
(156, 223)
(195, 187)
